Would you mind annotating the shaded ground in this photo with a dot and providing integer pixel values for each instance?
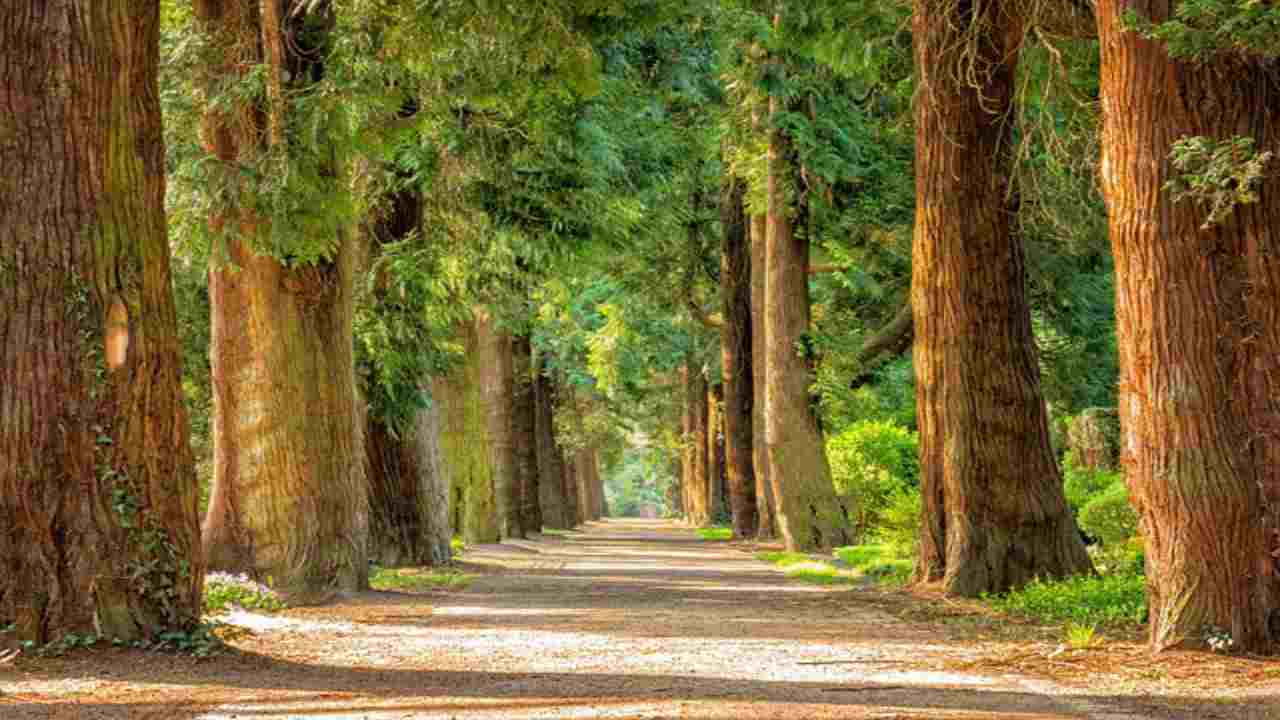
(639, 619)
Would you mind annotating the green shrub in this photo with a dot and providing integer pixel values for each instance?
(1082, 485)
(223, 591)
(1085, 600)
(871, 463)
(1109, 517)
(880, 562)
(899, 525)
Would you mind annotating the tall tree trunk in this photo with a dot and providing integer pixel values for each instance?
(464, 445)
(1198, 319)
(696, 481)
(736, 360)
(409, 493)
(808, 513)
(290, 495)
(715, 485)
(994, 512)
(497, 387)
(766, 503)
(98, 498)
(524, 434)
(555, 507)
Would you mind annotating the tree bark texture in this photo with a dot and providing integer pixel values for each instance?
(696, 482)
(736, 361)
(765, 501)
(409, 493)
(98, 498)
(1198, 320)
(497, 387)
(524, 434)
(554, 502)
(809, 515)
(994, 512)
(464, 444)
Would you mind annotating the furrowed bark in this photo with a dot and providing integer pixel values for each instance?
(98, 495)
(1198, 320)
(809, 515)
(524, 434)
(555, 505)
(737, 361)
(497, 388)
(994, 512)
(766, 503)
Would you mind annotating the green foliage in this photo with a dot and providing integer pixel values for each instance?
(870, 463)
(882, 563)
(418, 579)
(715, 534)
(1084, 600)
(1221, 174)
(1082, 485)
(1109, 517)
(1201, 29)
(223, 591)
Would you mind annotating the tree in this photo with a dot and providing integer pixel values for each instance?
(290, 495)
(808, 513)
(1198, 310)
(98, 498)
(995, 516)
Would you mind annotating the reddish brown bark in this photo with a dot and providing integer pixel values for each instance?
(808, 513)
(524, 434)
(697, 487)
(765, 501)
(551, 490)
(497, 387)
(98, 499)
(1198, 319)
(737, 362)
(994, 512)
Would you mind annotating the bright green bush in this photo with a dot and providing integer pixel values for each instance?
(1085, 600)
(1109, 517)
(871, 463)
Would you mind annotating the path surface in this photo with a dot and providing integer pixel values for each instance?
(625, 619)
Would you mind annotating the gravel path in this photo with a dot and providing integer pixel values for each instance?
(622, 619)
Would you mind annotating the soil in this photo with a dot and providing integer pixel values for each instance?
(640, 619)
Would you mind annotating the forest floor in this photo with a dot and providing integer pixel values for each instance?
(640, 619)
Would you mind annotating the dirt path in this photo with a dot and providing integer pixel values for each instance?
(625, 619)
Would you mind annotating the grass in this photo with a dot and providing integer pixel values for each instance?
(1116, 600)
(418, 579)
(878, 562)
(810, 570)
(718, 533)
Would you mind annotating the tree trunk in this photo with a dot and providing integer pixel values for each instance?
(1198, 320)
(994, 512)
(715, 487)
(497, 387)
(409, 493)
(766, 504)
(555, 509)
(524, 434)
(809, 515)
(736, 361)
(464, 445)
(696, 481)
(98, 497)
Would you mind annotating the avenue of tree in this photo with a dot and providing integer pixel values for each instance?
(440, 267)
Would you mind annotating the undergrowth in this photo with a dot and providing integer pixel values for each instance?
(716, 534)
(1119, 599)
(418, 579)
